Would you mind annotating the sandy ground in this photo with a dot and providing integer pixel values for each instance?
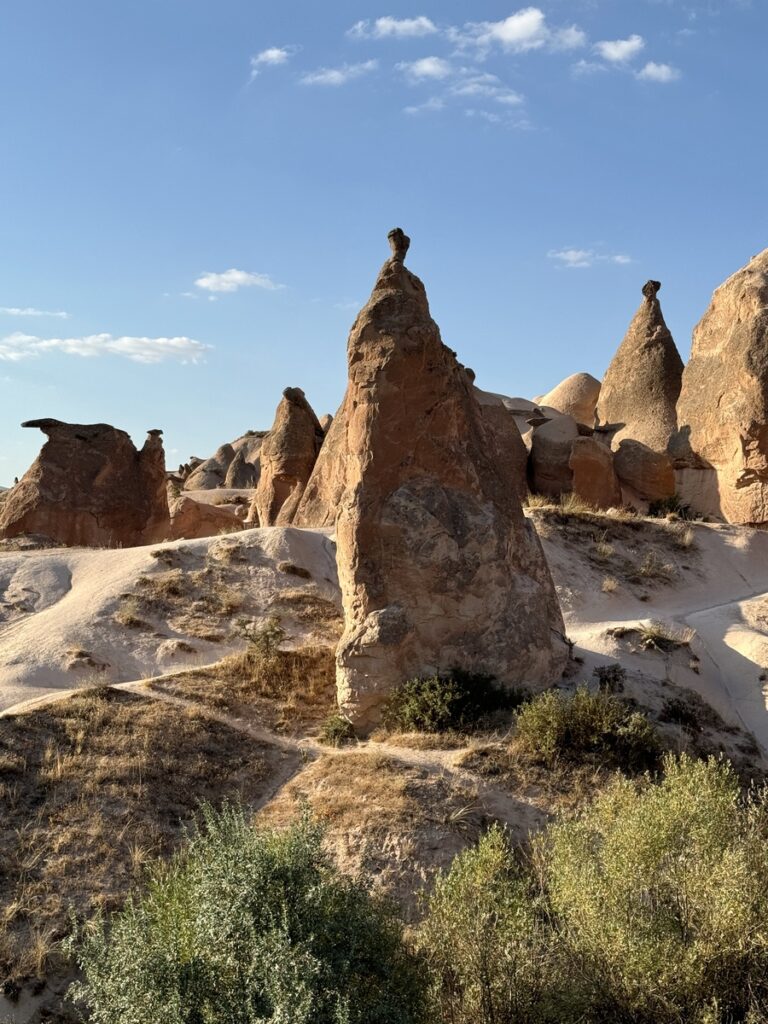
(58, 608)
(722, 595)
(54, 603)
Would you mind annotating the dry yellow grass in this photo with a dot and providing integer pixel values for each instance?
(288, 691)
(91, 788)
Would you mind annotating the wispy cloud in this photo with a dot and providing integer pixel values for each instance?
(432, 68)
(393, 28)
(232, 280)
(579, 259)
(485, 85)
(271, 57)
(619, 51)
(662, 73)
(338, 76)
(18, 346)
(525, 30)
(430, 106)
(31, 311)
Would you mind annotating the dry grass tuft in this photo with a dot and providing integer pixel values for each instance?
(288, 691)
(609, 585)
(91, 788)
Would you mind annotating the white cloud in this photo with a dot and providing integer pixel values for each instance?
(489, 86)
(577, 259)
(393, 28)
(663, 73)
(432, 68)
(587, 67)
(16, 347)
(30, 311)
(431, 106)
(617, 51)
(271, 57)
(525, 30)
(232, 280)
(339, 76)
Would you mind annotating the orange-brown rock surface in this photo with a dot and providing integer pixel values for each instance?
(438, 567)
(638, 400)
(89, 486)
(191, 519)
(723, 407)
(575, 396)
(288, 456)
(594, 478)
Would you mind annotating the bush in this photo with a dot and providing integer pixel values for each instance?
(459, 702)
(246, 927)
(559, 727)
(486, 939)
(264, 642)
(662, 893)
(336, 730)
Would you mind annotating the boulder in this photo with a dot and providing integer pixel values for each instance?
(438, 567)
(723, 408)
(212, 472)
(90, 487)
(642, 384)
(575, 396)
(551, 446)
(648, 475)
(325, 422)
(507, 438)
(594, 478)
(288, 457)
(192, 519)
(241, 473)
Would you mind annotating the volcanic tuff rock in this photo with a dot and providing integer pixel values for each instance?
(723, 407)
(288, 456)
(575, 396)
(438, 567)
(191, 519)
(241, 473)
(551, 456)
(325, 422)
(506, 432)
(594, 476)
(212, 472)
(89, 486)
(642, 383)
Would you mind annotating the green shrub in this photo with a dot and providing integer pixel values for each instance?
(460, 701)
(561, 727)
(336, 730)
(662, 894)
(246, 927)
(265, 641)
(610, 678)
(487, 941)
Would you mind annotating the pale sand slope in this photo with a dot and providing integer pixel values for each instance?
(723, 596)
(57, 607)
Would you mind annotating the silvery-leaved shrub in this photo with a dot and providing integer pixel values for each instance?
(249, 926)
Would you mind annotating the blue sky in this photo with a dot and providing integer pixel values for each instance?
(200, 192)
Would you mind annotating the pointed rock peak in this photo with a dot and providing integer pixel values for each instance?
(296, 397)
(399, 243)
(651, 290)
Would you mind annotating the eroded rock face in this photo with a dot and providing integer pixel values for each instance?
(594, 478)
(438, 567)
(506, 432)
(90, 487)
(288, 456)
(241, 473)
(575, 396)
(639, 395)
(192, 519)
(723, 407)
(211, 472)
(551, 448)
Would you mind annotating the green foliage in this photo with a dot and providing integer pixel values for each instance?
(486, 938)
(336, 730)
(460, 701)
(560, 727)
(263, 641)
(247, 927)
(610, 678)
(670, 506)
(662, 892)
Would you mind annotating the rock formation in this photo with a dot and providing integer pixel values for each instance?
(551, 456)
(637, 401)
(593, 477)
(438, 567)
(191, 519)
(89, 486)
(241, 474)
(288, 457)
(325, 422)
(212, 472)
(510, 446)
(723, 408)
(575, 396)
